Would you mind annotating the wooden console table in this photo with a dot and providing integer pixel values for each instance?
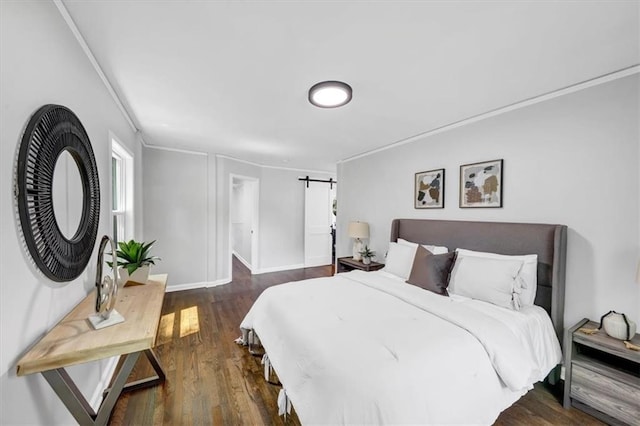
(73, 341)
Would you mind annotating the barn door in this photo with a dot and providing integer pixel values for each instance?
(317, 224)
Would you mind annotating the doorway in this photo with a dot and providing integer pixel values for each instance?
(244, 196)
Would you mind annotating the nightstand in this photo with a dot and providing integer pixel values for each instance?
(602, 376)
(346, 264)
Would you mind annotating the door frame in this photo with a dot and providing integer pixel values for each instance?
(254, 225)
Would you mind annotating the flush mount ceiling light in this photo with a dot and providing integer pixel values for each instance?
(330, 94)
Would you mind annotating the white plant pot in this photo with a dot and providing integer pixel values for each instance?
(366, 260)
(139, 276)
(615, 326)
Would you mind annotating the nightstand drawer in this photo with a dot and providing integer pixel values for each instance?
(617, 398)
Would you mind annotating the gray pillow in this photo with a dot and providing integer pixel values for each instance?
(431, 271)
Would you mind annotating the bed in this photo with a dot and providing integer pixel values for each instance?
(368, 348)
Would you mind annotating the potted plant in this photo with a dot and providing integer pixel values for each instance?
(133, 260)
(367, 254)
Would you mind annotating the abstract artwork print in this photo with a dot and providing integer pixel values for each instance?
(429, 190)
(481, 184)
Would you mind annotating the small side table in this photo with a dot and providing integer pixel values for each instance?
(602, 376)
(346, 264)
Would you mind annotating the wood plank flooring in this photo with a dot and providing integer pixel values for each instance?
(212, 380)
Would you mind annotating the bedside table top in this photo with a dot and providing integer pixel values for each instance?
(359, 265)
(602, 341)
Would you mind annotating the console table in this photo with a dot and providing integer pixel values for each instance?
(73, 341)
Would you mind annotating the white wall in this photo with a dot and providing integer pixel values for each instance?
(175, 206)
(41, 62)
(282, 218)
(180, 210)
(571, 160)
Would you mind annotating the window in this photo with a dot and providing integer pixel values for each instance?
(121, 192)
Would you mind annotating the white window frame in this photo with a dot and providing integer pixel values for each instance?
(123, 216)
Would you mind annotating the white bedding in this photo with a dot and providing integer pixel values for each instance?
(367, 348)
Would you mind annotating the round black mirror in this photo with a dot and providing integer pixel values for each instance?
(52, 131)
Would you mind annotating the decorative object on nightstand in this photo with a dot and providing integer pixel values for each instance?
(602, 376)
(358, 230)
(346, 264)
(367, 254)
(618, 326)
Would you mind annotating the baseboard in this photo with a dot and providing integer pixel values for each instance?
(241, 259)
(219, 282)
(105, 380)
(192, 286)
(280, 268)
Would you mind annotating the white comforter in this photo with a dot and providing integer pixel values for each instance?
(367, 348)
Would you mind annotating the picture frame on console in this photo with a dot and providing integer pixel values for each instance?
(429, 189)
(481, 184)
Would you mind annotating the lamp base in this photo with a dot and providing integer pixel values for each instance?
(357, 247)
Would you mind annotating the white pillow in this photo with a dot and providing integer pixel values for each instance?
(528, 274)
(400, 259)
(432, 249)
(490, 280)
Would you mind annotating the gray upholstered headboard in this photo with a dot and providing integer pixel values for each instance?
(549, 242)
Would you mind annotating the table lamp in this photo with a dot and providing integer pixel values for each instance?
(358, 230)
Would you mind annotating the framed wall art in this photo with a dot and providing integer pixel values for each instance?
(429, 190)
(481, 184)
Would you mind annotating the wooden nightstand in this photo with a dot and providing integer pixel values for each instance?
(346, 264)
(602, 376)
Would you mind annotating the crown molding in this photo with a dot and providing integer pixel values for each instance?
(291, 169)
(85, 47)
(605, 78)
(165, 148)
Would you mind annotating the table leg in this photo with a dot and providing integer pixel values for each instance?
(149, 381)
(77, 404)
(70, 395)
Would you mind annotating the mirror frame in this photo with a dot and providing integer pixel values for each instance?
(52, 130)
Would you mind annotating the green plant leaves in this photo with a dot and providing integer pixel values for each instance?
(367, 252)
(132, 255)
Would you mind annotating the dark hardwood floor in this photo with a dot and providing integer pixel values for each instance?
(212, 380)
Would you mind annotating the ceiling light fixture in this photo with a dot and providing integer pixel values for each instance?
(330, 94)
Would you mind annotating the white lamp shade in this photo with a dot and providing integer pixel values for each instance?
(638, 274)
(358, 230)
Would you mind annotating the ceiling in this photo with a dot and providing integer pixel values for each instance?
(232, 77)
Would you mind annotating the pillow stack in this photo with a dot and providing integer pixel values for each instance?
(507, 281)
